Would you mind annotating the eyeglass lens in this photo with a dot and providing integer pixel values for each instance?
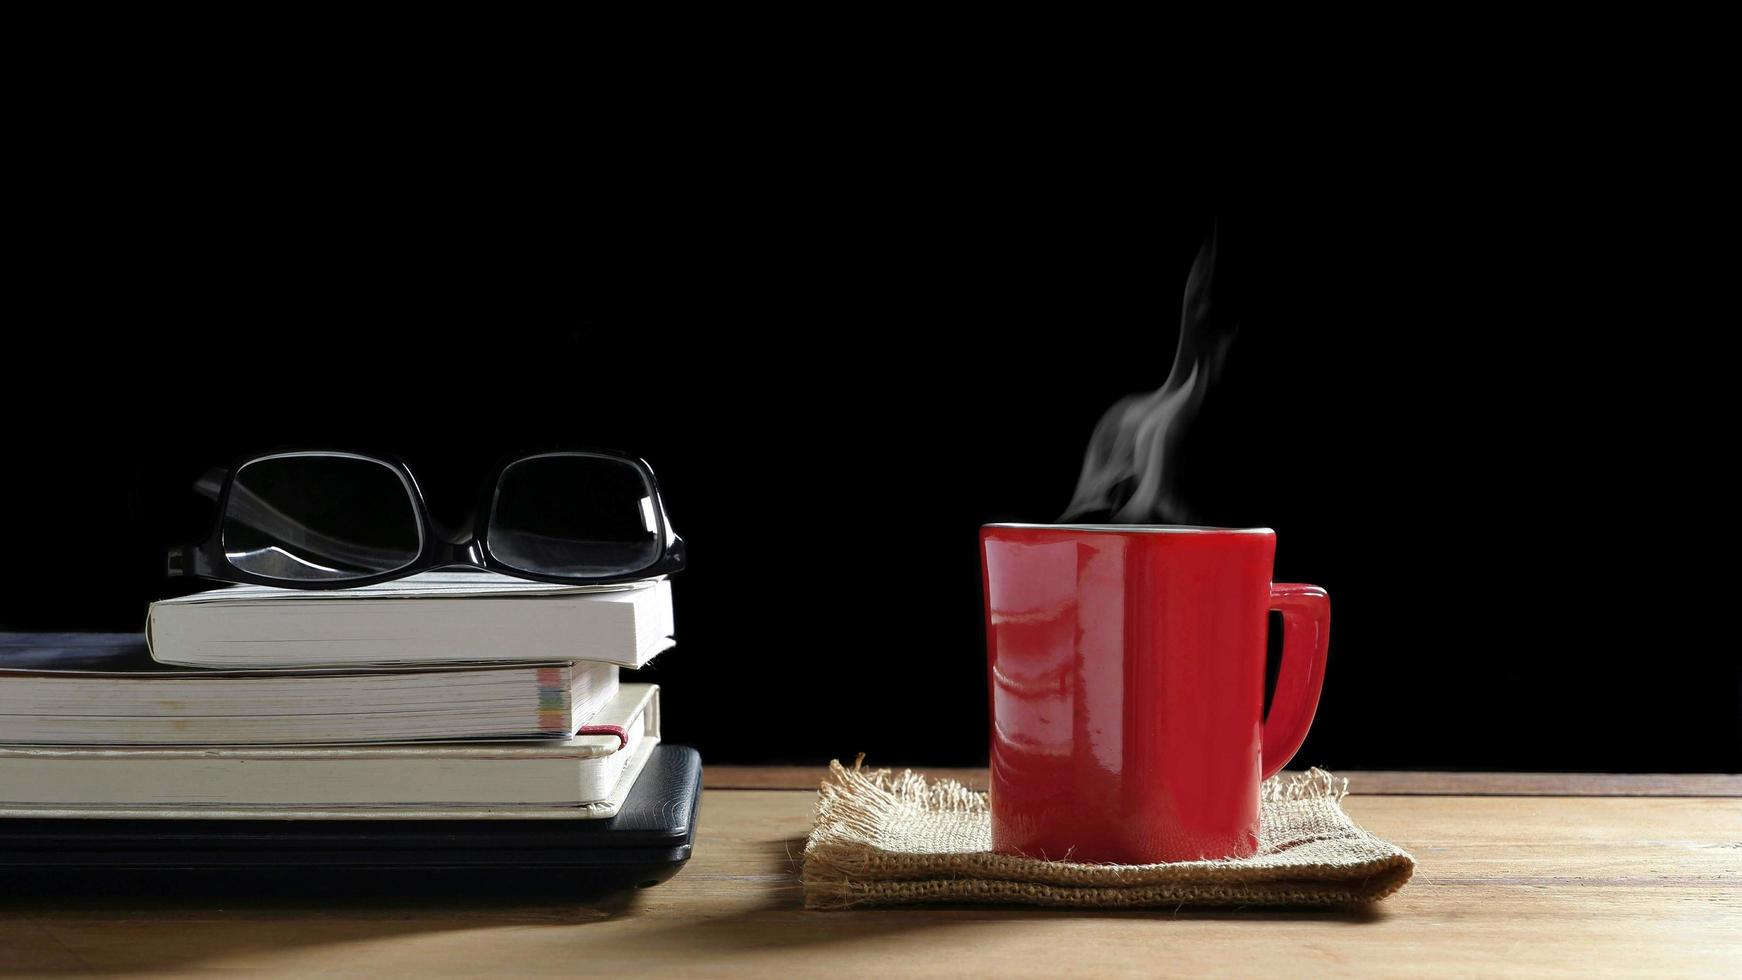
(317, 516)
(574, 514)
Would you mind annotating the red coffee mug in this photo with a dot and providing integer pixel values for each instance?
(1127, 671)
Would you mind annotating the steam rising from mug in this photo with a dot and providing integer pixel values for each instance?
(1129, 471)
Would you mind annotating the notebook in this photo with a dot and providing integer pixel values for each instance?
(647, 840)
(105, 689)
(432, 617)
(586, 776)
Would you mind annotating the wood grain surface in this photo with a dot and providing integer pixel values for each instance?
(1364, 782)
(1511, 884)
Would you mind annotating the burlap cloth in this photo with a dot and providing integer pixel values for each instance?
(884, 838)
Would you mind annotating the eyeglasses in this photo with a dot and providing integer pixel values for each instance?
(331, 520)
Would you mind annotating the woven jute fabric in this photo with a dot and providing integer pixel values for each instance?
(887, 838)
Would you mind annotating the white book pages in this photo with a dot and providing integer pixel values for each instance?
(437, 618)
(112, 692)
(583, 777)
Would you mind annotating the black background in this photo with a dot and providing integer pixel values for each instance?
(1474, 390)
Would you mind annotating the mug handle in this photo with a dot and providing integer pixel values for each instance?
(1306, 636)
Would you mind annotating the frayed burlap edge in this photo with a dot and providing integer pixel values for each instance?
(883, 837)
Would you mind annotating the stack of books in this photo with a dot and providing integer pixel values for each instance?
(439, 696)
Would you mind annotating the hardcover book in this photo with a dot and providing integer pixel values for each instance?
(105, 689)
(585, 776)
(433, 617)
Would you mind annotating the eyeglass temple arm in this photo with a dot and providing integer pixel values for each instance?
(185, 561)
(211, 483)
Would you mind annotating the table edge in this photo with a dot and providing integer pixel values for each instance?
(1361, 782)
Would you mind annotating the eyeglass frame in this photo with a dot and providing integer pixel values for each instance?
(207, 559)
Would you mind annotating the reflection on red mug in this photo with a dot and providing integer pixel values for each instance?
(1127, 671)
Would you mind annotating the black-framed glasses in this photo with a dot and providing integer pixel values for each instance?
(325, 519)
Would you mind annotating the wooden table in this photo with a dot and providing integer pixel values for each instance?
(1517, 874)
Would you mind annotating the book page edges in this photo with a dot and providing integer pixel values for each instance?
(631, 700)
(596, 810)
